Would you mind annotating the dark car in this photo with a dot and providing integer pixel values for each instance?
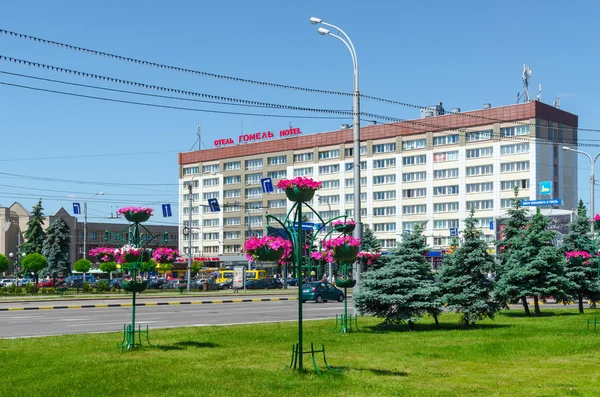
(227, 284)
(261, 283)
(274, 283)
(156, 283)
(292, 281)
(321, 292)
(115, 283)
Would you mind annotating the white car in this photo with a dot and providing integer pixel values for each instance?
(7, 282)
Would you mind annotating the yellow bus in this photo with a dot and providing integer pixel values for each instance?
(255, 274)
(224, 275)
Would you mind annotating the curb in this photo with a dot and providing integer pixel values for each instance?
(107, 305)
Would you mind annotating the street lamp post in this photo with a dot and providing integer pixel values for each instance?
(85, 222)
(592, 181)
(355, 136)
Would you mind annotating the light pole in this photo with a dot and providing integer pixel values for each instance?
(592, 164)
(189, 266)
(355, 136)
(85, 222)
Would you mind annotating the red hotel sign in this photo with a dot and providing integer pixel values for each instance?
(257, 136)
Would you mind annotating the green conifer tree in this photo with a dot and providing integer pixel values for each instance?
(35, 235)
(465, 286)
(534, 267)
(404, 289)
(56, 249)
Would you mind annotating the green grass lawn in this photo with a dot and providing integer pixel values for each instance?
(511, 356)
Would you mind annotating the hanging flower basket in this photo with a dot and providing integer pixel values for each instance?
(103, 254)
(165, 255)
(130, 254)
(134, 286)
(368, 258)
(136, 214)
(343, 248)
(577, 257)
(345, 282)
(597, 222)
(299, 189)
(267, 248)
(346, 227)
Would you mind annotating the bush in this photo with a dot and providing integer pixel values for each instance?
(31, 288)
(113, 290)
(102, 286)
(87, 288)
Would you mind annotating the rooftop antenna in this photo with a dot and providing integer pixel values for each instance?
(556, 103)
(525, 77)
(198, 133)
(539, 96)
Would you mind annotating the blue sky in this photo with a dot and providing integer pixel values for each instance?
(461, 53)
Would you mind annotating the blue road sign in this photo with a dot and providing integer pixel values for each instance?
(213, 203)
(76, 208)
(166, 210)
(267, 185)
(536, 203)
(546, 188)
(492, 225)
(305, 225)
(453, 232)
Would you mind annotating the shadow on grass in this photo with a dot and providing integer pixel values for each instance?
(381, 372)
(187, 344)
(542, 314)
(384, 328)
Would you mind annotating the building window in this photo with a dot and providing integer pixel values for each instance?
(334, 199)
(234, 193)
(384, 179)
(514, 166)
(388, 243)
(191, 170)
(301, 157)
(210, 236)
(479, 136)
(329, 169)
(483, 187)
(414, 193)
(334, 184)
(232, 166)
(414, 209)
(308, 171)
(210, 195)
(277, 203)
(415, 144)
(188, 183)
(282, 174)
(384, 148)
(207, 169)
(231, 208)
(384, 227)
(387, 195)
(480, 152)
(442, 241)
(517, 148)
(445, 224)
(480, 170)
(510, 203)
(329, 214)
(232, 235)
(329, 154)
(445, 174)
(414, 160)
(195, 197)
(255, 164)
(350, 166)
(277, 160)
(195, 223)
(480, 205)
(255, 192)
(229, 180)
(230, 249)
(414, 176)
(195, 210)
(511, 185)
(409, 226)
(445, 140)
(210, 222)
(384, 211)
(349, 198)
(350, 213)
(350, 182)
(256, 220)
(253, 179)
(514, 131)
(384, 163)
(93, 236)
(483, 222)
(445, 156)
(445, 190)
(348, 151)
(445, 207)
(232, 221)
(210, 182)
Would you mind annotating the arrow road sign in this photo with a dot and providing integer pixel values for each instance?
(267, 185)
(166, 208)
(76, 208)
(213, 203)
(453, 232)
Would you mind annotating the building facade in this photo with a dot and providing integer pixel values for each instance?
(432, 170)
(14, 224)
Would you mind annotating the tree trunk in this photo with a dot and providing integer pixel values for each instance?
(526, 306)
(437, 322)
(580, 304)
(411, 325)
(466, 320)
(536, 302)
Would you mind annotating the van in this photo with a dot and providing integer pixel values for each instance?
(223, 276)
(255, 274)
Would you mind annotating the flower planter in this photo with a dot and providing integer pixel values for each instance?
(347, 229)
(268, 254)
(130, 258)
(345, 282)
(597, 225)
(137, 217)
(134, 286)
(345, 252)
(576, 260)
(296, 194)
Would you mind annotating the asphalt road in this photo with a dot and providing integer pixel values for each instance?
(32, 323)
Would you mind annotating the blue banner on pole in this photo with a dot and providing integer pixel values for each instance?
(453, 232)
(166, 209)
(267, 185)
(536, 203)
(492, 225)
(76, 208)
(213, 203)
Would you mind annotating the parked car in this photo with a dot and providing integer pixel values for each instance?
(156, 283)
(7, 282)
(46, 284)
(273, 283)
(321, 292)
(292, 281)
(116, 283)
(227, 284)
(261, 283)
(25, 281)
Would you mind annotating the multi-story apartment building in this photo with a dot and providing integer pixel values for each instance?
(432, 170)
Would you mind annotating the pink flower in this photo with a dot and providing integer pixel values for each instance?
(339, 241)
(369, 256)
(578, 254)
(301, 182)
(342, 223)
(165, 255)
(135, 210)
(597, 217)
(103, 254)
(253, 244)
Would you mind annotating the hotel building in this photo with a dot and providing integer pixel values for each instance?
(432, 169)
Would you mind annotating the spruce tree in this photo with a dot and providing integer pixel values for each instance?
(465, 287)
(534, 267)
(582, 276)
(56, 249)
(404, 289)
(510, 235)
(35, 235)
